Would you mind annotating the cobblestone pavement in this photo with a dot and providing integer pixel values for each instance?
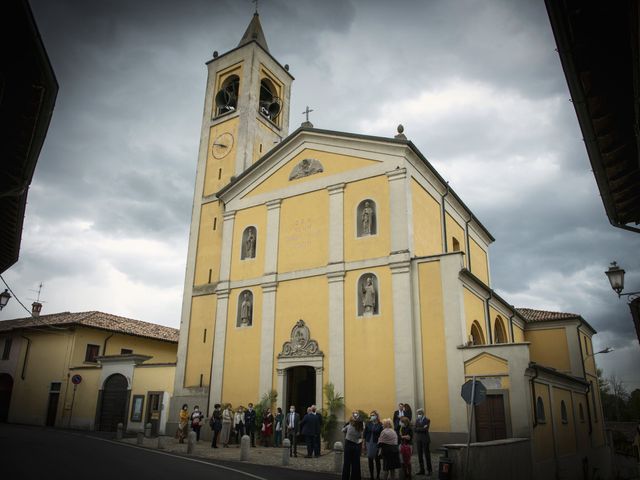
(267, 456)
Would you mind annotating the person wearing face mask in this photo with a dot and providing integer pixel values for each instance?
(423, 440)
(183, 423)
(372, 431)
(352, 446)
(196, 421)
(292, 429)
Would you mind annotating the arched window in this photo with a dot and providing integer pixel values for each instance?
(269, 104)
(580, 412)
(366, 218)
(245, 309)
(368, 298)
(249, 241)
(477, 337)
(500, 333)
(563, 412)
(227, 97)
(455, 244)
(540, 415)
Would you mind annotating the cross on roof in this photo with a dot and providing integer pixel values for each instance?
(307, 111)
(256, 2)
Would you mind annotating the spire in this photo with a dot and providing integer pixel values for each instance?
(254, 32)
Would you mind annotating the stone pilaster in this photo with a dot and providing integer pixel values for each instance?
(404, 347)
(273, 232)
(336, 330)
(226, 247)
(217, 362)
(267, 337)
(336, 223)
(398, 189)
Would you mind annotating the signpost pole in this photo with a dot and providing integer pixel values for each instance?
(73, 398)
(472, 404)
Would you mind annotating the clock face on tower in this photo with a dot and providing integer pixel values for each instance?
(222, 145)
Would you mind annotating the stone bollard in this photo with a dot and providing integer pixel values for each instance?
(191, 442)
(162, 443)
(245, 444)
(337, 460)
(286, 445)
(147, 430)
(140, 438)
(119, 430)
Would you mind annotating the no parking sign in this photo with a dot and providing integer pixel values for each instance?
(76, 379)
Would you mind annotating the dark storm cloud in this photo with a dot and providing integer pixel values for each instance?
(477, 84)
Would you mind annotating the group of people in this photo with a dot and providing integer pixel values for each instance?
(389, 440)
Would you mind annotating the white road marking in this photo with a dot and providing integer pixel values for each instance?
(179, 456)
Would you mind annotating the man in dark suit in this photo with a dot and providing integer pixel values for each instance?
(396, 417)
(250, 424)
(422, 441)
(310, 427)
(292, 429)
(316, 439)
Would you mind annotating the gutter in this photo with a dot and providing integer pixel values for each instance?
(488, 314)
(444, 219)
(104, 345)
(511, 325)
(466, 241)
(533, 393)
(26, 356)
(584, 374)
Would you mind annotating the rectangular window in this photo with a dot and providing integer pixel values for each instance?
(7, 348)
(92, 353)
(136, 409)
(55, 386)
(125, 351)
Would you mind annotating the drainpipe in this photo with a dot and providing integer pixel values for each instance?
(468, 245)
(26, 356)
(444, 219)
(533, 393)
(104, 345)
(511, 327)
(488, 324)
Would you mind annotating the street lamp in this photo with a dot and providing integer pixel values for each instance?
(604, 350)
(4, 298)
(615, 274)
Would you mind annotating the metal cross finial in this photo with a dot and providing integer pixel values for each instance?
(307, 112)
(256, 2)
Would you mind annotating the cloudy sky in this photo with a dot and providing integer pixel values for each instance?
(477, 85)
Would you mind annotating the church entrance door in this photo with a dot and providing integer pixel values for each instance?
(114, 403)
(301, 388)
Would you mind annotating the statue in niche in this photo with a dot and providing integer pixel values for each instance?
(368, 296)
(250, 244)
(245, 310)
(306, 167)
(367, 214)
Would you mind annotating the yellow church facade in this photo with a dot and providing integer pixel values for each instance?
(329, 257)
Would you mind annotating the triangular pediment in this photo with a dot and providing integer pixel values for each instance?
(310, 164)
(486, 364)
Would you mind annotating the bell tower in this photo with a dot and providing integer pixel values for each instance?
(246, 113)
(247, 104)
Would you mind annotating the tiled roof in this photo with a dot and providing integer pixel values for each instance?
(531, 315)
(101, 320)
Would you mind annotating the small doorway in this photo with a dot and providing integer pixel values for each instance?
(6, 387)
(301, 388)
(490, 419)
(114, 403)
(154, 405)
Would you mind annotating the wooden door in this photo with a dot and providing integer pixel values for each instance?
(490, 419)
(6, 386)
(154, 406)
(114, 403)
(52, 409)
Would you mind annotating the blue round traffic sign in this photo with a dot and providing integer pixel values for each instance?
(76, 379)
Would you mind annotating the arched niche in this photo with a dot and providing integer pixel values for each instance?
(477, 337)
(249, 243)
(500, 332)
(245, 309)
(368, 295)
(366, 218)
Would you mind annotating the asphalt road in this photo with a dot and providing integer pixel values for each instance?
(36, 453)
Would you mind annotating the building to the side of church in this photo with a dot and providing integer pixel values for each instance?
(87, 370)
